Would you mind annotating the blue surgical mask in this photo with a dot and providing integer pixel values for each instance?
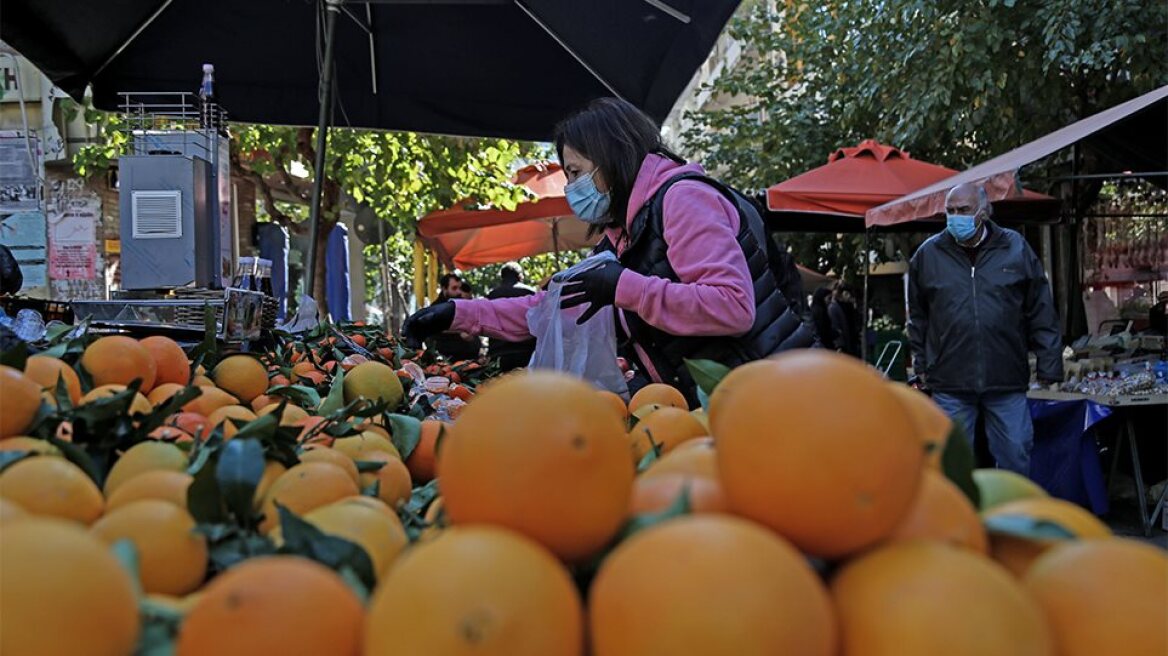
(586, 200)
(962, 226)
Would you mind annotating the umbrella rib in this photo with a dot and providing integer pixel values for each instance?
(137, 32)
(580, 60)
(666, 9)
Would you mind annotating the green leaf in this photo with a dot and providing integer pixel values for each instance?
(405, 432)
(168, 408)
(421, 497)
(77, 455)
(238, 472)
(957, 463)
(302, 395)
(706, 374)
(368, 466)
(261, 428)
(304, 539)
(336, 396)
(1030, 528)
(16, 356)
(204, 500)
(127, 555)
(9, 458)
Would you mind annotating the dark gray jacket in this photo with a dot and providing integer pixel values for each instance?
(971, 326)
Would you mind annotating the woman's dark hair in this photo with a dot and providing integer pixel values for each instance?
(615, 136)
(821, 295)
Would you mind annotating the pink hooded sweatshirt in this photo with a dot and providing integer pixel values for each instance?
(715, 295)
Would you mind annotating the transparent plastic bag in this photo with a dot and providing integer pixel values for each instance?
(587, 350)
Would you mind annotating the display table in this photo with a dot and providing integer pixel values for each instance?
(1062, 425)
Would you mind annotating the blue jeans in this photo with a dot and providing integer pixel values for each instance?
(1009, 430)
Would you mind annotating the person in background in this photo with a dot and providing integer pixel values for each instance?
(845, 319)
(511, 355)
(1158, 315)
(466, 291)
(454, 345)
(11, 278)
(820, 318)
(979, 302)
(693, 276)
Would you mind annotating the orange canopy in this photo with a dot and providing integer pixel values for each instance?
(468, 238)
(855, 180)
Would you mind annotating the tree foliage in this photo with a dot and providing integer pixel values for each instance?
(950, 81)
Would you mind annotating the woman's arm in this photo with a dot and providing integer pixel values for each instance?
(504, 318)
(715, 295)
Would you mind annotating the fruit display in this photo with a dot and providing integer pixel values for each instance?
(333, 493)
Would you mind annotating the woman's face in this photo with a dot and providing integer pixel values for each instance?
(576, 165)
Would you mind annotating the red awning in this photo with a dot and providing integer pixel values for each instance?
(468, 238)
(855, 180)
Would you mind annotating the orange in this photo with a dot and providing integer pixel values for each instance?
(149, 455)
(22, 400)
(305, 487)
(63, 592)
(202, 381)
(1018, 553)
(223, 416)
(140, 404)
(10, 510)
(660, 394)
(26, 443)
(370, 502)
(421, 462)
(321, 453)
(45, 371)
(170, 361)
(262, 401)
(209, 401)
(667, 428)
(308, 426)
(393, 480)
(658, 591)
(361, 447)
(306, 373)
(242, 375)
(618, 404)
(158, 484)
(170, 434)
(374, 381)
(477, 590)
(380, 534)
(272, 471)
(273, 605)
(172, 557)
(832, 481)
(539, 453)
(119, 360)
(291, 414)
(162, 393)
(1104, 597)
(941, 512)
(922, 598)
(654, 494)
(696, 461)
(192, 423)
(52, 486)
(931, 423)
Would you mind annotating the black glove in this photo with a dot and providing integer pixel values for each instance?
(427, 322)
(596, 286)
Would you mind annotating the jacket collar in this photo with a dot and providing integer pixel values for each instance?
(995, 239)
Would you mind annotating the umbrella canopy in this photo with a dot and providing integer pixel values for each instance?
(1129, 136)
(466, 237)
(507, 68)
(835, 196)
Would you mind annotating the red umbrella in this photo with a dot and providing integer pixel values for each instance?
(855, 180)
(468, 238)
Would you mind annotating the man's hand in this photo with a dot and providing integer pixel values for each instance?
(596, 286)
(427, 322)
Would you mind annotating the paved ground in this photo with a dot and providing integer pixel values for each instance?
(1124, 519)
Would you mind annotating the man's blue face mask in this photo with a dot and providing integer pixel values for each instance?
(586, 200)
(962, 226)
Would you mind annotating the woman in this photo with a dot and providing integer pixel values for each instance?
(693, 280)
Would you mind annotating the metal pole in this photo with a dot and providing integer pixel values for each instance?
(325, 94)
(386, 299)
(864, 301)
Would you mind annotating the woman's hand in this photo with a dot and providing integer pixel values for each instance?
(427, 322)
(596, 286)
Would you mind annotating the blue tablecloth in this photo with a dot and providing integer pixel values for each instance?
(1065, 459)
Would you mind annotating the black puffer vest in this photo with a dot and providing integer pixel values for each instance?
(776, 328)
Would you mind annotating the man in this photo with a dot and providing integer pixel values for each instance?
(845, 319)
(978, 303)
(452, 345)
(511, 355)
(1158, 315)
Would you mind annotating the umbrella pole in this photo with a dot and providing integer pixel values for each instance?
(333, 7)
(864, 300)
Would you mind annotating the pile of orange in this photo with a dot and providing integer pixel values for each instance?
(527, 547)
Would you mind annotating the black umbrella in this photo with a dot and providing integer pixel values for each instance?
(507, 68)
